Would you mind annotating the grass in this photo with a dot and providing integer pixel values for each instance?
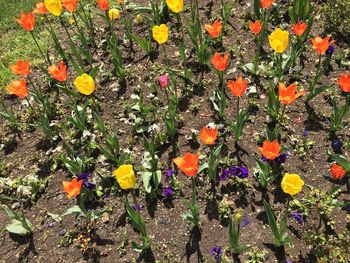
(15, 42)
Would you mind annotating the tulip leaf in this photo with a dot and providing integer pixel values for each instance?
(19, 224)
(146, 179)
(341, 160)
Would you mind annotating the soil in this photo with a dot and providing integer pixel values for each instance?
(27, 152)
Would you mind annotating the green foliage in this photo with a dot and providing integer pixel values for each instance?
(255, 255)
(193, 215)
(234, 230)
(299, 11)
(225, 208)
(19, 224)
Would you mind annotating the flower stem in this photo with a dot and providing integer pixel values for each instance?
(41, 51)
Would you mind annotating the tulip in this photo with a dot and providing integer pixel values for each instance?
(278, 40)
(270, 150)
(292, 184)
(139, 19)
(18, 88)
(208, 135)
(237, 87)
(27, 21)
(70, 5)
(220, 62)
(255, 27)
(175, 5)
(215, 29)
(266, 4)
(113, 14)
(103, 4)
(299, 28)
(288, 95)
(54, 7)
(321, 45)
(58, 73)
(85, 84)
(163, 81)
(188, 164)
(120, 2)
(125, 176)
(40, 8)
(344, 82)
(337, 171)
(21, 68)
(160, 33)
(72, 188)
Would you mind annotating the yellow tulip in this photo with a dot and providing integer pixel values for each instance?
(125, 176)
(54, 7)
(120, 2)
(85, 84)
(279, 40)
(139, 19)
(160, 33)
(113, 14)
(292, 184)
(175, 5)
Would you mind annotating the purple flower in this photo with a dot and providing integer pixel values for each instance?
(306, 133)
(224, 174)
(245, 221)
(169, 173)
(282, 158)
(137, 208)
(216, 252)
(62, 233)
(297, 216)
(168, 191)
(289, 261)
(348, 209)
(330, 51)
(240, 172)
(336, 145)
(85, 177)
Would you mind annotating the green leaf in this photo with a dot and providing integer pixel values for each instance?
(146, 179)
(19, 228)
(76, 209)
(272, 223)
(341, 160)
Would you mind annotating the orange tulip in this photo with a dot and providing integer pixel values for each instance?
(270, 150)
(344, 82)
(321, 45)
(255, 27)
(337, 171)
(27, 21)
(40, 8)
(266, 4)
(208, 135)
(58, 73)
(72, 188)
(70, 5)
(220, 62)
(288, 95)
(21, 68)
(237, 87)
(103, 4)
(215, 29)
(18, 88)
(187, 164)
(299, 28)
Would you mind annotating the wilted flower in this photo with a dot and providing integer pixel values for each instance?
(337, 171)
(344, 82)
(27, 21)
(299, 28)
(54, 7)
(208, 135)
(255, 27)
(321, 45)
(215, 29)
(220, 62)
(188, 164)
(292, 184)
(216, 252)
(21, 68)
(58, 73)
(278, 40)
(288, 95)
(85, 84)
(40, 8)
(113, 13)
(160, 33)
(125, 176)
(72, 188)
(270, 150)
(298, 217)
(163, 81)
(18, 88)
(238, 86)
(175, 5)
